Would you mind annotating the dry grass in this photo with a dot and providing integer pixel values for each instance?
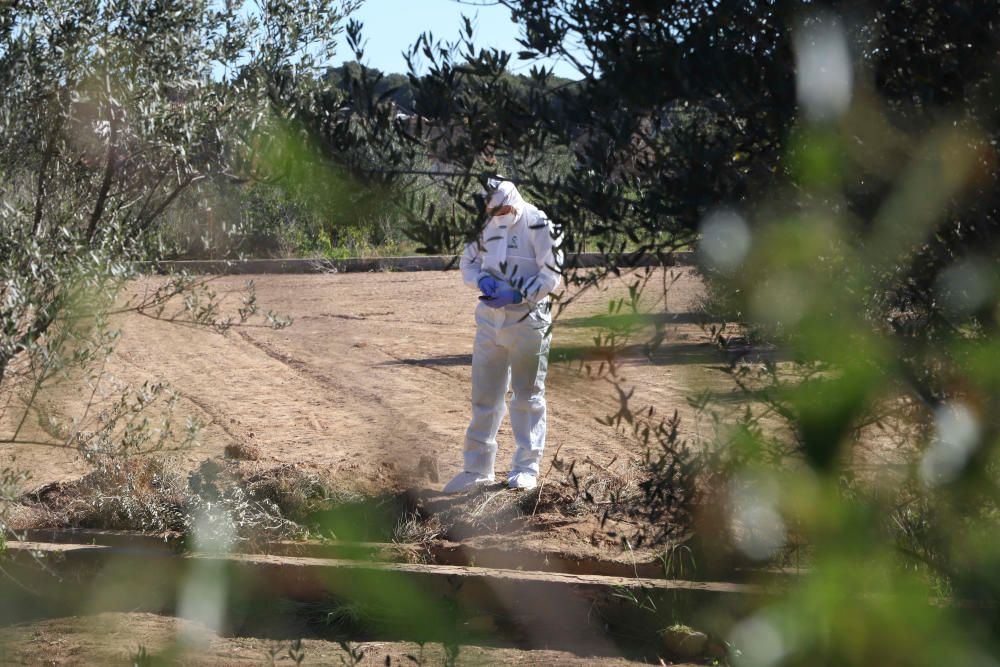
(143, 494)
(297, 493)
(242, 451)
(255, 503)
(589, 494)
(412, 529)
(120, 494)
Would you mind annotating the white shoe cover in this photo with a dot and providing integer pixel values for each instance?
(522, 480)
(466, 481)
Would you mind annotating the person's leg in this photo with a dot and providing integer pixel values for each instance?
(490, 377)
(529, 359)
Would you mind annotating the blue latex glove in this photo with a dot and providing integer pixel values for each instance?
(504, 297)
(488, 285)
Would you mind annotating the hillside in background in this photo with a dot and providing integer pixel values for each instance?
(399, 88)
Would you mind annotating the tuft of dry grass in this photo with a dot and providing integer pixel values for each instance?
(413, 529)
(297, 493)
(122, 493)
(242, 451)
(495, 509)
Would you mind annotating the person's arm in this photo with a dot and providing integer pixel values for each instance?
(471, 264)
(548, 255)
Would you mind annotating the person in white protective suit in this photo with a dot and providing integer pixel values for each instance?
(515, 263)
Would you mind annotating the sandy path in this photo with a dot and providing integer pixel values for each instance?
(117, 638)
(373, 374)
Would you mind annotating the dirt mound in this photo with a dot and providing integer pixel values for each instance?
(578, 511)
(148, 494)
(585, 511)
(121, 494)
(242, 451)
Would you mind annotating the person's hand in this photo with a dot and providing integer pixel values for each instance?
(504, 297)
(488, 285)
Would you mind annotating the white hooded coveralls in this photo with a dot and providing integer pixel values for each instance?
(511, 347)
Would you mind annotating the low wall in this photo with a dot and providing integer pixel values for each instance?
(414, 263)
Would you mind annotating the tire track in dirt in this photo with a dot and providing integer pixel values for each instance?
(247, 395)
(346, 388)
(214, 417)
(402, 432)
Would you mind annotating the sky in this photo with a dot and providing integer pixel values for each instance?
(391, 26)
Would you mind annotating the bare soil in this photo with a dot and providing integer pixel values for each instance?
(369, 386)
(117, 638)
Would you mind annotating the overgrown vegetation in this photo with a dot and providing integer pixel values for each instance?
(248, 502)
(834, 164)
(99, 141)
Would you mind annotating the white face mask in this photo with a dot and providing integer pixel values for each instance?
(507, 219)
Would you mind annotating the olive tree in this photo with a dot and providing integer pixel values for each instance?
(835, 164)
(111, 111)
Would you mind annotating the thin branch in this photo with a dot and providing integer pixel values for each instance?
(93, 393)
(455, 174)
(42, 443)
(193, 178)
(109, 170)
(40, 187)
(152, 191)
(201, 325)
(39, 381)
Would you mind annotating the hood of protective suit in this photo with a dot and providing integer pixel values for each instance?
(506, 194)
(498, 229)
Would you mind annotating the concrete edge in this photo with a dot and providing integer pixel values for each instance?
(364, 265)
(522, 577)
(439, 552)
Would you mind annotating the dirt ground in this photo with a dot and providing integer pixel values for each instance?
(118, 639)
(372, 375)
